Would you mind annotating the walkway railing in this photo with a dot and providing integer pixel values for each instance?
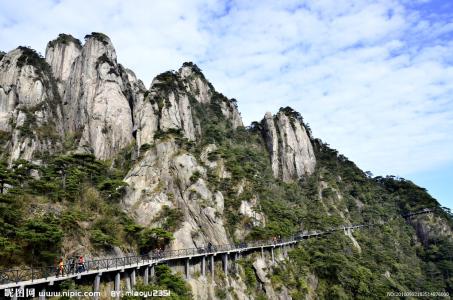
(32, 274)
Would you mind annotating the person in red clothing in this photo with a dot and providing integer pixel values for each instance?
(60, 267)
(81, 264)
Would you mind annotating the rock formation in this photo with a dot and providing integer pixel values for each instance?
(289, 145)
(94, 98)
(61, 54)
(30, 107)
(80, 92)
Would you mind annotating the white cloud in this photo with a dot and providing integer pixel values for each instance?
(373, 78)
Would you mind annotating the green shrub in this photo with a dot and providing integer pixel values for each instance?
(145, 147)
(31, 57)
(250, 277)
(165, 280)
(112, 188)
(154, 238)
(41, 237)
(102, 240)
(173, 218)
(195, 176)
(175, 132)
(64, 39)
(220, 293)
(98, 36)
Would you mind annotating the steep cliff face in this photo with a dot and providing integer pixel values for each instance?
(61, 54)
(105, 107)
(30, 107)
(289, 145)
(170, 104)
(204, 93)
(168, 174)
(96, 109)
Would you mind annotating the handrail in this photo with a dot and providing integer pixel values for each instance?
(34, 273)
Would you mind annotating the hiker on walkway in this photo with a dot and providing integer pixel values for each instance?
(71, 263)
(158, 253)
(60, 268)
(209, 247)
(81, 265)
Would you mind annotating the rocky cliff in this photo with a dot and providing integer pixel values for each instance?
(61, 54)
(117, 167)
(95, 105)
(289, 145)
(30, 106)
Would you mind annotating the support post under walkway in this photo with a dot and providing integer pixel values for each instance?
(127, 278)
(225, 264)
(146, 275)
(117, 286)
(14, 297)
(188, 268)
(42, 294)
(152, 271)
(203, 266)
(212, 266)
(96, 285)
(272, 255)
(133, 281)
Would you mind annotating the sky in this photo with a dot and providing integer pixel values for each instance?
(374, 79)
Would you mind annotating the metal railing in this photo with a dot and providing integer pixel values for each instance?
(39, 273)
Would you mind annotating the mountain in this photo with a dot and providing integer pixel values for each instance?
(95, 163)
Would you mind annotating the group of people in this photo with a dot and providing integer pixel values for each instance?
(158, 253)
(276, 240)
(75, 264)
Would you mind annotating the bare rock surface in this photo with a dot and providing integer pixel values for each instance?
(289, 145)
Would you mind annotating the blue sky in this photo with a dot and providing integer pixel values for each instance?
(374, 79)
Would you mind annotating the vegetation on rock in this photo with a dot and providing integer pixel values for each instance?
(64, 39)
(98, 36)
